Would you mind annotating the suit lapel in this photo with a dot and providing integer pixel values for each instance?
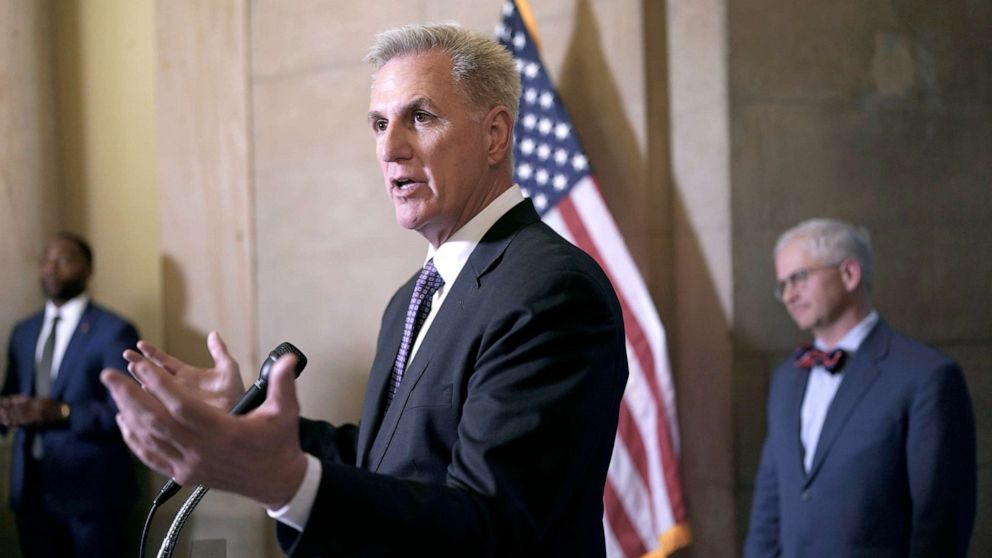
(382, 365)
(74, 351)
(484, 258)
(797, 390)
(861, 373)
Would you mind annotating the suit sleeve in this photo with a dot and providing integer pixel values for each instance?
(11, 381)
(334, 444)
(536, 428)
(940, 455)
(763, 531)
(93, 411)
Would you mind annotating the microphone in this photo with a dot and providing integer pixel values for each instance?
(253, 397)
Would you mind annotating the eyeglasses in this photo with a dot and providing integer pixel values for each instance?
(797, 279)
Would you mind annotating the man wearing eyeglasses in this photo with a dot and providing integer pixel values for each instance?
(870, 448)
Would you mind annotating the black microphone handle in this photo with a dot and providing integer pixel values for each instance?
(252, 398)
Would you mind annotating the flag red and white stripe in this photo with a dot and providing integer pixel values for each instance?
(645, 513)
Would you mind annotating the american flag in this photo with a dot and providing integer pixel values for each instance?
(644, 507)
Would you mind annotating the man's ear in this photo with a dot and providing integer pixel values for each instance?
(850, 274)
(499, 130)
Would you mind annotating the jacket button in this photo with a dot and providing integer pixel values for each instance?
(807, 495)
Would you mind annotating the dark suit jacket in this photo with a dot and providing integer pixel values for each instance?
(86, 465)
(894, 470)
(499, 438)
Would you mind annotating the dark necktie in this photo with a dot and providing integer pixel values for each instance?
(807, 356)
(43, 380)
(428, 283)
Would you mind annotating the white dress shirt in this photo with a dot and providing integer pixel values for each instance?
(822, 387)
(449, 259)
(69, 315)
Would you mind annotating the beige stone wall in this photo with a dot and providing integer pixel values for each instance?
(28, 182)
(207, 222)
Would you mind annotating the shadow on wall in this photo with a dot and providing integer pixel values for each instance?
(181, 340)
(641, 194)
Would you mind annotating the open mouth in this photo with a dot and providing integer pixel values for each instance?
(403, 184)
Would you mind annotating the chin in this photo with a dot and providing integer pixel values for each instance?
(803, 323)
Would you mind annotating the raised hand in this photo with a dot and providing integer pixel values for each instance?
(169, 426)
(219, 386)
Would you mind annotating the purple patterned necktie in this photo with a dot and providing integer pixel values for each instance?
(428, 283)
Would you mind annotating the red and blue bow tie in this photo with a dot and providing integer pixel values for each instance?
(807, 356)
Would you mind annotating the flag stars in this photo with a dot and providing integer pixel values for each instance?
(562, 130)
(530, 95)
(559, 182)
(541, 177)
(527, 146)
(579, 162)
(541, 201)
(524, 171)
(531, 69)
(543, 151)
(502, 31)
(547, 99)
(507, 9)
(561, 156)
(519, 40)
(544, 126)
(529, 121)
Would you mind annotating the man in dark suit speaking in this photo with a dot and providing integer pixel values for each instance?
(870, 449)
(72, 478)
(492, 402)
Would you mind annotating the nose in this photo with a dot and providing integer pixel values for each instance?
(394, 143)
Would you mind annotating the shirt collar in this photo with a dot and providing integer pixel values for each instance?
(70, 311)
(451, 256)
(856, 335)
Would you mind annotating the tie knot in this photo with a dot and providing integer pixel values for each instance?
(807, 356)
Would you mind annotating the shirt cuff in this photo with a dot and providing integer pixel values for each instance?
(296, 513)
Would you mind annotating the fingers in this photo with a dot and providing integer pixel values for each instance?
(159, 357)
(182, 406)
(218, 350)
(133, 356)
(281, 398)
(144, 423)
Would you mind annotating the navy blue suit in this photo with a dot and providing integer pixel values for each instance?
(86, 476)
(498, 440)
(894, 472)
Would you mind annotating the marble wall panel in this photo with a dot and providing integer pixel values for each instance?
(207, 227)
(310, 35)
(29, 188)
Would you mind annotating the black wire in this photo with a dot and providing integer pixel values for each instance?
(144, 531)
(168, 490)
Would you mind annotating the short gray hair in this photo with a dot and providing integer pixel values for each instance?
(481, 67)
(833, 241)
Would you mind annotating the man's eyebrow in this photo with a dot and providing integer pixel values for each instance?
(418, 103)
